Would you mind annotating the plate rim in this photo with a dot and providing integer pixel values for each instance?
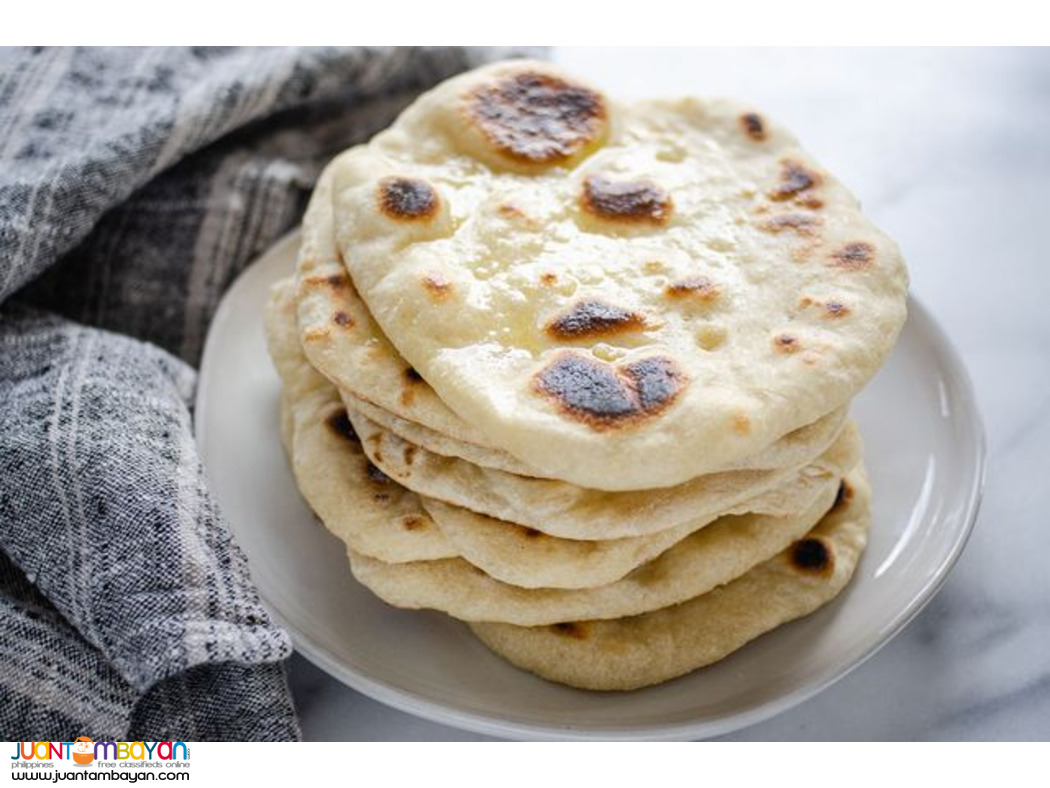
(410, 702)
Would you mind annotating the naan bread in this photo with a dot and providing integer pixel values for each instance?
(355, 500)
(627, 296)
(528, 558)
(794, 449)
(571, 512)
(628, 653)
(709, 558)
(434, 441)
(342, 340)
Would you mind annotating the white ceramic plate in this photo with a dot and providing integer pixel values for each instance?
(925, 454)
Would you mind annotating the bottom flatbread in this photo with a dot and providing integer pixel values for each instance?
(629, 653)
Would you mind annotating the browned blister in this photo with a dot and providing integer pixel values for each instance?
(606, 396)
(536, 118)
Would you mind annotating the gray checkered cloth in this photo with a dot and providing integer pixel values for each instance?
(134, 186)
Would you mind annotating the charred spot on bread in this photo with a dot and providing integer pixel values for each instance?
(412, 522)
(629, 202)
(536, 118)
(843, 496)
(700, 288)
(801, 223)
(753, 126)
(812, 555)
(835, 309)
(376, 475)
(594, 318)
(796, 182)
(335, 281)
(437, 286)
(407, 199)
(786, 343)
(854, 256)
(607, 396)
(339, 423)
(571, 629)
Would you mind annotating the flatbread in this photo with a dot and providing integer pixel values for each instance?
(794, 449)
(342, 341)
(629, 653)
(359, 504)
(627, 296)
(565, 510)
(434, 441)
(709, 558)
(528, 558)
(354, 500)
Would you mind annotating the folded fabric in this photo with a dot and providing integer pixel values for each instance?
(134, 186)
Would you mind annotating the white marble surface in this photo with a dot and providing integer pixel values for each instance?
(950, 152)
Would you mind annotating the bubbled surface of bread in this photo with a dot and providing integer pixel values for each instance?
(627, 296)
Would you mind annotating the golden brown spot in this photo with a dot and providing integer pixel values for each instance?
(572, 629)
(700, 288)
(339, 423)
(604, 396)
(812, 555)
(536, 118)
(795, 183)
(592, 319)
(549, 279)
(854, 256)
(412, 380)
(511, 212)
(741, 424)
(341, 318)
(843, 496)
(412, 522)
(831, 310)
(531, 533)
(335, 281)
(786, 343)
(376, 475)
(408, 199)
(437, 285)
(753, 126)
(633, 202)
(316, 333)
(834, 310)
(801, 223)
(410, 454)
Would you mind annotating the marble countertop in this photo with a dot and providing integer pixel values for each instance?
(950, 152)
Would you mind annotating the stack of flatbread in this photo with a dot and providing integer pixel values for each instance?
(577, 372)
